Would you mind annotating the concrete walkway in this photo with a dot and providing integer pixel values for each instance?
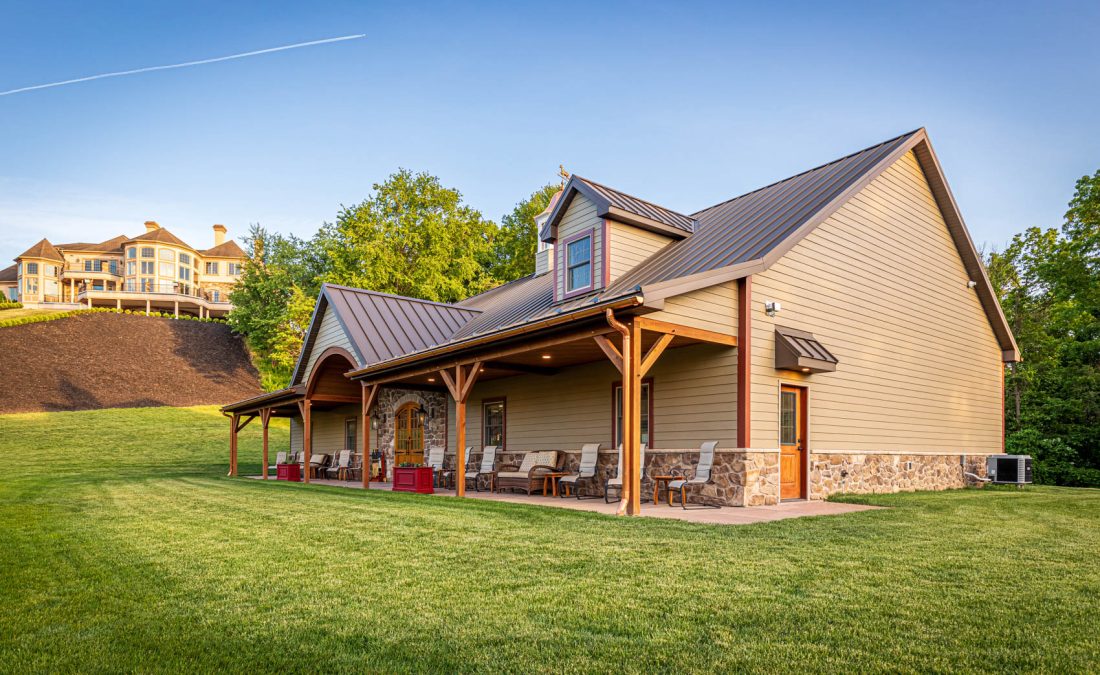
(731, 515)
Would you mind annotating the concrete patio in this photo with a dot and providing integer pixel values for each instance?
(723, 516)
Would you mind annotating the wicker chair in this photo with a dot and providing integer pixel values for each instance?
(530, 473)
(487, 469)
(701, 477)
(586, 473)
(616, 481)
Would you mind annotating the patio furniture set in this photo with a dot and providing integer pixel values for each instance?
(537, 471)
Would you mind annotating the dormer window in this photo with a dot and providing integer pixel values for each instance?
(578, 264)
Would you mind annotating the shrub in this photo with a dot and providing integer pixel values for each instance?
(11, 305)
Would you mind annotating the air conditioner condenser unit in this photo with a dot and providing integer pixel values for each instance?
(1010, 469)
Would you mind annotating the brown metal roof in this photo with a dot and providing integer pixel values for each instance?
(620, 206)
(10, 273)
(43, 249)
(228, 249)
(382, 326)
(801, 351)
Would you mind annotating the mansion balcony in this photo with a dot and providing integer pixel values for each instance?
(196, 302)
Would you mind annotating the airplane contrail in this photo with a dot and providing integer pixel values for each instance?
(182, 65)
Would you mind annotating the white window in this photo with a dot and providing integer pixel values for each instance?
(31, 285)
(234, 269)
(216, 295)
(131, 252)
(578, 264)
(147, 252)
(212, 268)
(185, 273)
(168, 254)
(185, 259)
(31, 268)
(167, 269)
(13, 293)
(131, 267)
(147, 267)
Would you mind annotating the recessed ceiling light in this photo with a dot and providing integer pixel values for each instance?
(805, 370)
(546, 356)
(431, 379)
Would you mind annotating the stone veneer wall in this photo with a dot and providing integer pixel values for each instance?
(385, 409)
(834, 472)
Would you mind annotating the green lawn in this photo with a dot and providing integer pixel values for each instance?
(124, 548)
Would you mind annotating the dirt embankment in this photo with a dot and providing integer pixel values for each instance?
(121, 361)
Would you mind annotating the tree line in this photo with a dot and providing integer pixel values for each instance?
(415, 237)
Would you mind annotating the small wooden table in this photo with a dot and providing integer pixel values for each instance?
(658, 481)
(552, 477)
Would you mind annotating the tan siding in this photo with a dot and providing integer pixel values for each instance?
(330, 334)
(713, 308)
(881, 284)
(328, 430)
(628, 246)
(581, 215)
(695, 400)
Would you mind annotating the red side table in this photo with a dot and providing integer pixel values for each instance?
(413, 479)
(291, 472)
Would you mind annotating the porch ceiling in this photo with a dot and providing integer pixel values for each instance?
(546, 361)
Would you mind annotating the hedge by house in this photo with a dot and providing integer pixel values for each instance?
(11, 305)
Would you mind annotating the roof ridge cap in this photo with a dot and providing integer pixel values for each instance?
(803, 173)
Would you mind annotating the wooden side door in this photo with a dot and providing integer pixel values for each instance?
(792, 442)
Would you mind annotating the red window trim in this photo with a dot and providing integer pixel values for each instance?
(503, 421)
(614, 422)
(566, 293)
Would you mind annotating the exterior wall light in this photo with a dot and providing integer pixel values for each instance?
(971, 284)
(771, 307)
(422, 414)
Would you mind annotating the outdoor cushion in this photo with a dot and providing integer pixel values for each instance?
(513, 474)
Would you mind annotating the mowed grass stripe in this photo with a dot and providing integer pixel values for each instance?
(126, 548)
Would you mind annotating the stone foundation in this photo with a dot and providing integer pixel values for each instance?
(832, 473)
(385, 410)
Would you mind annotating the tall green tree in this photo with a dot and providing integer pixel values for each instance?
(517, 239)
(1049, 286)
(412, 237)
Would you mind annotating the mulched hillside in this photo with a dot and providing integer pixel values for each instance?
(121, 361)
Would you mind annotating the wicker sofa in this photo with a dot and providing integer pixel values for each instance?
(528, 474)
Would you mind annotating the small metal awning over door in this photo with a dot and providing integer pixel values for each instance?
(800, 351)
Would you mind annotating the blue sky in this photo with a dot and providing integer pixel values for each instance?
(683, 104)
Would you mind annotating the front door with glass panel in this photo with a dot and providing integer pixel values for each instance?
(792, 442)
(408, 436)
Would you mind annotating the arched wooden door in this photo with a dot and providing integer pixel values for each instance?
(408, 436)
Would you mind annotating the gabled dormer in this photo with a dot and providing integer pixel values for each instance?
(595, 234)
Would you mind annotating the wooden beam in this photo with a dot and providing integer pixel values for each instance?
(248, 419)
(610, 350)
(744, 356)
(450, 382)
(493, 355)
(686, 331)
(469, 379)
(655, 352)
(460, 432)
(265, 419)
(333, 398)
(632, 366)
(521, 368)
(307, 437)
(370, 393)
(233, 445)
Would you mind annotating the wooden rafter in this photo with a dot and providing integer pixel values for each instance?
(655, 352)
(521, 368)
(612, 352)
(667, 328)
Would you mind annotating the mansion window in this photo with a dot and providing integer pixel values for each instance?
(146, 285)
(13, 294)
(211, 268)
(31, 285)
(167, 269)
(578, 264)
(93, 265)
(617, 412)
(168, 254)
(147, 267)
(147, 252)
(131, 252)
(492, 415)
(51, 270)
(234, 269)
(131, 267)
(185, 273)
(216, 295)
(31, 268)
(185, 259)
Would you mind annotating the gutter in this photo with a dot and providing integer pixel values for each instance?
(633, 300)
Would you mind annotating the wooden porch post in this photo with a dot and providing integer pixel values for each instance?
(460, 387)
(370, 391)
(632, 371)
(307, 441)
(233, 428)
(265, 417)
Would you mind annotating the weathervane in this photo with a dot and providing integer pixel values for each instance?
(563, 173)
